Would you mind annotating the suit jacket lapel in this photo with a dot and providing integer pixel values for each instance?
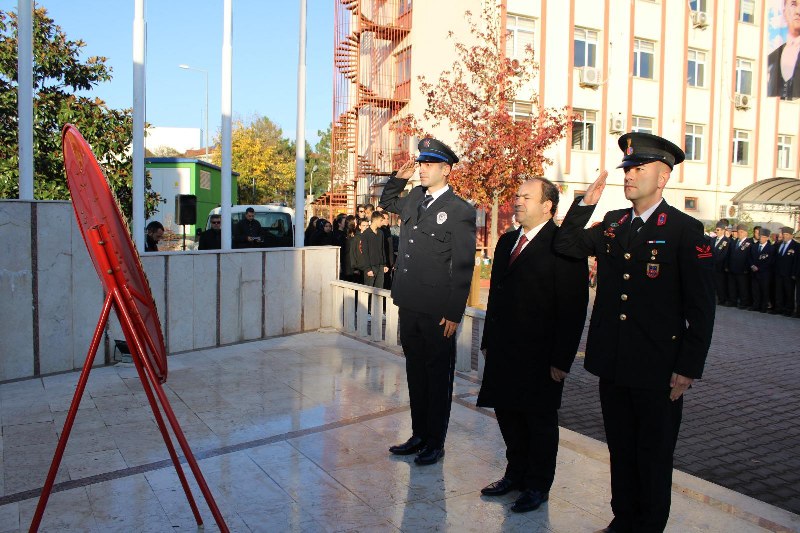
(542, 238)
(438, 204)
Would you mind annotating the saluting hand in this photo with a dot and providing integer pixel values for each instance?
(407, 170)
(592, 194)
(449, 327)
(679, 385)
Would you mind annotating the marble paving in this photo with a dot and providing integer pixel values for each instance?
(291, 434)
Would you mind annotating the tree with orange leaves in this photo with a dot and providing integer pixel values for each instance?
(474, 98)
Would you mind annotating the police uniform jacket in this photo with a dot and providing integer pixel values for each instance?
(786, 264)
(436, 254)
(654, 310)
(721, 249)
(739, 256)
(763, 259)
(534, 320)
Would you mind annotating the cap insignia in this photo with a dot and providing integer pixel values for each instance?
(629, 151)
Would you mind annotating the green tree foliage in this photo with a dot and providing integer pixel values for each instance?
(58, 75)
(321, 157)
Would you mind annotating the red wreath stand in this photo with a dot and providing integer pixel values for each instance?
(128, 292)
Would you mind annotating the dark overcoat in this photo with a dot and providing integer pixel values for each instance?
(654, 310)
(534, 320)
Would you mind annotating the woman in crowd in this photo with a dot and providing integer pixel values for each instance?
(323, 236)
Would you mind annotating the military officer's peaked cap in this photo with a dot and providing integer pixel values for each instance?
(433, 151)
(640, 148)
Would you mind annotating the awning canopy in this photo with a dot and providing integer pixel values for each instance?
(771, 191)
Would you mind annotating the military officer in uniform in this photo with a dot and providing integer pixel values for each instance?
(651, 325)
(430, 285)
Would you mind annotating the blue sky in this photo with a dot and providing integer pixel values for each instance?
(265, 55)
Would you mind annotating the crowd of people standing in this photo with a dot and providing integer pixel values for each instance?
(368, 244)
(757, 273)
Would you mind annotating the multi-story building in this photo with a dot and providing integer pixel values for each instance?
(692, 71)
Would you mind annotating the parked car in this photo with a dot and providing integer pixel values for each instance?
(277, 222)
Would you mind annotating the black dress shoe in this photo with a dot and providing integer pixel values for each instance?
(412, 445)
(529, 500)
(500, 487)
(429, 455)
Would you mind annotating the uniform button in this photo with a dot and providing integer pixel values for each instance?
(411, 241)
(623, 316)
(407, 256)
(405, 270)
(674, 337)
(627, 256)
(433, 235)
(624, 297)
(626, 277)
(652, 258)
(415, 227)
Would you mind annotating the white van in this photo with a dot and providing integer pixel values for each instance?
(277, 222)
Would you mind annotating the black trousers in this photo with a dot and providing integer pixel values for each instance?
(721, 284)
(430, 369)
(761, 300)
(739, 289)
(531, 439)
(784, 294)
(377, 279)
(641, 430)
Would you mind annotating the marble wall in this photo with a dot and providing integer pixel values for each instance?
(50, 296)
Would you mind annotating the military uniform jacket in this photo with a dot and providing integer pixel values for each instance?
(786, 264)
(654, 310)
(534, 320)
(764, 259)
(739, 256)
(436, 255)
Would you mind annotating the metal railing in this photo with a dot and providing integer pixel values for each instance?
(379, 322)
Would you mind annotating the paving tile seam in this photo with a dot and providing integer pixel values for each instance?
(759, 521)
(201, 455)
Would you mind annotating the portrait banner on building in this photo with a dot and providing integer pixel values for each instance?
(783, 34)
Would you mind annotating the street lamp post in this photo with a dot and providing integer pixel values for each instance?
(311, 181)
(205, 72)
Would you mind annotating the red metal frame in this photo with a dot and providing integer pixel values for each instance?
(120, 296)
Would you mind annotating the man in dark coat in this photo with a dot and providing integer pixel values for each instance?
(651, 326)
(534, 320)
(247, 232)
(721, 248)
(431, 283)
(372, 256)
(739, 269)
(211, 239)
(785, 267)
(762, 262)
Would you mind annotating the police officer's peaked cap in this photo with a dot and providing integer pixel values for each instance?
(433, 151)
(640, 148)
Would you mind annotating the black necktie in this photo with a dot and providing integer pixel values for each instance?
(636, 223)
(423, 205)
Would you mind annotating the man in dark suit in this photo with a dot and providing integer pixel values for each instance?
(651, 325)
(785, 267)
(430, 286)
(721, 248)
(534, 320)
(783, 68)
(762, 262)
(372, 253)
(739, 269)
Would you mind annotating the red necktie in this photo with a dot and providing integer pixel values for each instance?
(517, 249)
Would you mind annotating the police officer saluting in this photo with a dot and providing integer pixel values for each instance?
(651, 326)
(430, 286)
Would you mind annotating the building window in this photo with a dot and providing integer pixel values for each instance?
(693, 142)
(519, 35)
(642, 125)
(520, 110)
(747, 10)
(584, 124)
(205, 180)
(784, 152)
(697, 5)
(744, 76)
(690, 203)
(643, 58)
(696, 68)
(402, 73)
(404, 7)
(741, 147)
(585, 48)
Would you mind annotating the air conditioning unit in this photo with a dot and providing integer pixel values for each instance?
(590, 77)
(616, 125)
(742, 101)
(699, 19)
